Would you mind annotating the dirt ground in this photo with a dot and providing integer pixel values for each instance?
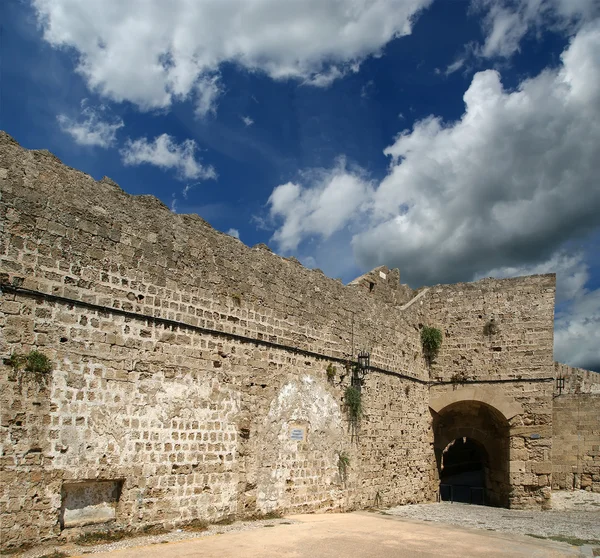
(419, 530)
(359, 534)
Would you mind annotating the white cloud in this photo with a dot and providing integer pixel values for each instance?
(155, 52)
(504, 186)
(247, 120)
(455, 66)
(506, 22)
(189, 186)
(166, 153)
(505, 26)
(94, 127)
(326, 78)
(571, 270)
(322, 205)
(234, 232)
(577, 331)
(208, 89)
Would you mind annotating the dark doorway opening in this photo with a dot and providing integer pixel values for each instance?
(471, 443)
(462, 475)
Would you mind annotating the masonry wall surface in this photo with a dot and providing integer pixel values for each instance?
(511, 363)
(192, 416)
(576, 420)
(189, 370)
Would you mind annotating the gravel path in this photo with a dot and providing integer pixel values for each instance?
(574, 514)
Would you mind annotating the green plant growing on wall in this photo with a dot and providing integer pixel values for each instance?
(353, 400)
(34, 361)
(490, 328)
(459, 377)
(38, 363)
(343, 465)
(16, 361)
(431, 341)
(331, 372)
(378, 501)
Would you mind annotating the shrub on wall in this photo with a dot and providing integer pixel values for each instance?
(38, 363)
(491, 328)
(16, 361)
(34, 361)
(431, 341)
(331, 371)
(353, 400)
(459, 377)
(343, 465)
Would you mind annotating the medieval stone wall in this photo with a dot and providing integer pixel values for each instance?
(494, 329)
(576, 424)
(192, 427)
(190, 377)
(497, 350)
(183, 362)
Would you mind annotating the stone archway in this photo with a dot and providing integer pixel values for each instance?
(474, 428)
(492, 397)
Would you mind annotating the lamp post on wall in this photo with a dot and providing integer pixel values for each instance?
(363, 361)
(560, 384)
(361, 369)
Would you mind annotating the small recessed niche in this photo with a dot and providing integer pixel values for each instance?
(371, 286)
(89, 502)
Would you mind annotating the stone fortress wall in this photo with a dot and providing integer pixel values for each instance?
(189, 370)
(508, 372)
(576, 424)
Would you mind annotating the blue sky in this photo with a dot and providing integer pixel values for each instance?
(454, 139)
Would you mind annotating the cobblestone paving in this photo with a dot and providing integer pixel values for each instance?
(574, 514)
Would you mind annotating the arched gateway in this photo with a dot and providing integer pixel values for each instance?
(472, 445)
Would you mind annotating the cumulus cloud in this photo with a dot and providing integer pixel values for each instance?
(94, 127)
(506, 22)
(322, 205)
(577, 331)
(234, 232)
(247, 120)
(165, 153)
(497, 192)
(505, 185)
(158, 52)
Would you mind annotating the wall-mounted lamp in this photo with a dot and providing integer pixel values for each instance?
(360, 369)
(560, 384)
(363, 361)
